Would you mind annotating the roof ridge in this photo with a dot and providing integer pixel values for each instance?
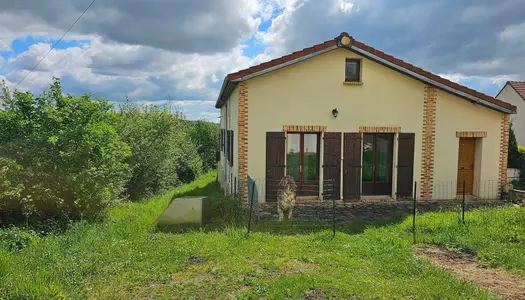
(353, 44)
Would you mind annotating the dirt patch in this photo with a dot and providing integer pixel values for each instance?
(465, 266)
(196, 259)
(313, 294)
(299, 267)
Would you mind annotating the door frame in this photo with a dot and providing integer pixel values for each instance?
(375, 188)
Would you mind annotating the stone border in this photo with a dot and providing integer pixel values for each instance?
(373, 129)
(504, 150)
(243, 142)
(304, 128)
(428, 143)
(348, 212)
(471, 134)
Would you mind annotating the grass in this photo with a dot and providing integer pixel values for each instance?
(124, 257)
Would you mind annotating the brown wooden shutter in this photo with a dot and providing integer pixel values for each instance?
(332, 165)
(352, 166)
(405, 165)
(222, 139)
(275, 163)
(230, 134)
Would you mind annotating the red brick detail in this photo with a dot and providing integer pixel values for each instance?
(304, 128)
(372, 129)
(471, 134)
(504, 150)
(242, 151)
(428, 143)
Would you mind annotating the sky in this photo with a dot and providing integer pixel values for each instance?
(179, 51)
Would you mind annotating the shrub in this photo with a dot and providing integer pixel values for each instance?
(14, 238)
(514, 158)
(60, 156)
(162, 154)
(205, 135)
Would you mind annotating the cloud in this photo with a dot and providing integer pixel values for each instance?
(179, 49)
(473, 38)
(204, 26)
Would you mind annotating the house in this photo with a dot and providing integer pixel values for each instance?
(344, 115)
(514, 93)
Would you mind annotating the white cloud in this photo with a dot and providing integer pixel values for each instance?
(343, 6)
(514, 34)
(480, 80)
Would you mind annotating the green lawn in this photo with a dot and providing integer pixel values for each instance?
(124, 257)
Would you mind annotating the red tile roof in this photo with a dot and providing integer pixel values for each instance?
(519, 87)
(335, 42)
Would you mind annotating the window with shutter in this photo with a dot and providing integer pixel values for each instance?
(222, 139)
(229, 147)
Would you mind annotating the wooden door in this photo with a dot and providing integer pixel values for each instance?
(352, 166)
(275, 164)
(332, 165)
(405, 165)
(467, 151)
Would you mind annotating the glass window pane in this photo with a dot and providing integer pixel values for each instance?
(310, 157)
(368, 157)
(382, 158)
(292, 156)
(351, 71)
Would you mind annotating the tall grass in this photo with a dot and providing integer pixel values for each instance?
(124, 257)
(496, 235)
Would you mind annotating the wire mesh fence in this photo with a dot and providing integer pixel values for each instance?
(517, 182)
(319, 207)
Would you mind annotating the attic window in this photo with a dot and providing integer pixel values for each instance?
(353, 70)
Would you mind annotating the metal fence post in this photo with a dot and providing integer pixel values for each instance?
(333, 211)
(463, 204)
(251, 208)
(414, 214)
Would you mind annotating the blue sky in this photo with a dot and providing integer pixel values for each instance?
(164, 52)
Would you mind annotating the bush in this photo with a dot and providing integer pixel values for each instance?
(205, 135)
(514, 159)
(162, 154)
(14, 238)
(60, 158)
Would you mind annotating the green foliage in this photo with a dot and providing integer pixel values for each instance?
(124, 257)
(514, 158)
(497, 236)
(14, 238)
(163, 155)
(205, 135)
(59, 155)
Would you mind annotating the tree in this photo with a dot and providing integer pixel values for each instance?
(163, 155)
(514, 156)
(60, 157)
(205, 135)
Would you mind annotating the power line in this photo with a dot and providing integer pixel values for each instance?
(188, 98)
(53, 47)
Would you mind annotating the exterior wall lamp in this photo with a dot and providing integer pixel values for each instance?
(335, 112)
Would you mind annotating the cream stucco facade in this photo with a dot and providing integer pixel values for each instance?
(305, 93)
(228, 175)
(509, 94)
